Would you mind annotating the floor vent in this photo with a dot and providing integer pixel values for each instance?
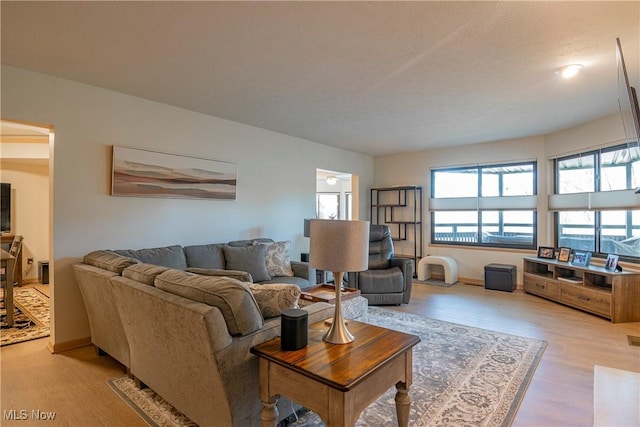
(634, 341)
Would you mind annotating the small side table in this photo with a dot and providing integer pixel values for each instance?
(338, 381)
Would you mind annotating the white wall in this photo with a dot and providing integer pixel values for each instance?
(414, 168)
(276, 178)
(30, 206)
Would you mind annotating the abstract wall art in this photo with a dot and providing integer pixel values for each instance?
(143, 173)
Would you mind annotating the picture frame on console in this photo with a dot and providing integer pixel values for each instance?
(564, 254)
(612, 262)
(546, 252)
(581, 259)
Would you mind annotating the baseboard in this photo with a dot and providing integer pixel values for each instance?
(30, 281)
(467, 280)
(69, 345)
(470, 281)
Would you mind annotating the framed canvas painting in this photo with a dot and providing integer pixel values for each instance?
(143, 173)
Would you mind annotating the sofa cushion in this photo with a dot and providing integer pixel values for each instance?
(205, 256)
(278, 259)
(251, 259)
(144, 273)
(242, 276)
(168, 256)
(109, 260)
(274, 298)
(232, 297)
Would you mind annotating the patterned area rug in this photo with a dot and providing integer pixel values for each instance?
(462, 376)
(30, 318)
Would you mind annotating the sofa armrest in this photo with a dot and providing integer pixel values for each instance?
(304, 270)
(406, 265)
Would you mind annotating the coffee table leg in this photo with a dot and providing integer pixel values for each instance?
(269, 414)
(403, 403)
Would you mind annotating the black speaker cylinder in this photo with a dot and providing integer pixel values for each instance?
(294, 324)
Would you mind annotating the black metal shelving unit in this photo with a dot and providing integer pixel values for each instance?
(401, 209)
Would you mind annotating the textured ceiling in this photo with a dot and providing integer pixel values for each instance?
(370, 77)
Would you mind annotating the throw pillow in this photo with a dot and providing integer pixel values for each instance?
(274, 298)
(233, 298)
(109, 260)
(251, 259)
(242, 276)
(278, 259)
(144, 273)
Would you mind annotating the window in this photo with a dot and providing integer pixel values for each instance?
(485, 205)
(596, 208)
(328, 205)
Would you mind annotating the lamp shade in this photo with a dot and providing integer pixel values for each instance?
(339, 245)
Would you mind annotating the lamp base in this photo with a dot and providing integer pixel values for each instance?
(338, 332)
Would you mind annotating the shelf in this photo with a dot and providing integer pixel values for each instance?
(399, 187)
(402, 222)
(400, 207)
(613, 295)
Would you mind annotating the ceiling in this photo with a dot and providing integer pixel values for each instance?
(369, 77)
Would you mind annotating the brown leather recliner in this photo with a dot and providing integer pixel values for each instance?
(389, 279)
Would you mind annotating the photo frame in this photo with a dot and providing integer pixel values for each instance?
(612, 262)
(564, 254)
(546, 252)
(144, 173)
(582, 258)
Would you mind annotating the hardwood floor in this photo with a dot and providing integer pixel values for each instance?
(561, 393)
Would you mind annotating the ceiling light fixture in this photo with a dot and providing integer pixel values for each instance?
(332, 180)
(569, 71)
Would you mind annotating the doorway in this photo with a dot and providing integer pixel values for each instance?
(334, 195)
(26, 166)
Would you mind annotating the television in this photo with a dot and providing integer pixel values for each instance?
(628, 101)
(5, 207)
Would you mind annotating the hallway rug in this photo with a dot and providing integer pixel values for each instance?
(462, 376)
(31, 316)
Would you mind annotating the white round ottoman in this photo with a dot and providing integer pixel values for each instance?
(449, 264)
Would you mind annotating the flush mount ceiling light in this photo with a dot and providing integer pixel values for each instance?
(332, 180)
(569, 71)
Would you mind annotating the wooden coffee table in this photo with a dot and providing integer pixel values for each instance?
(338, 381)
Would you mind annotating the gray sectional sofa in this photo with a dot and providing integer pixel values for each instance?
(187, 335)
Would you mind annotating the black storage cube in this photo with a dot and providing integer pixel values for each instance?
(43, 272)
(500, 277)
